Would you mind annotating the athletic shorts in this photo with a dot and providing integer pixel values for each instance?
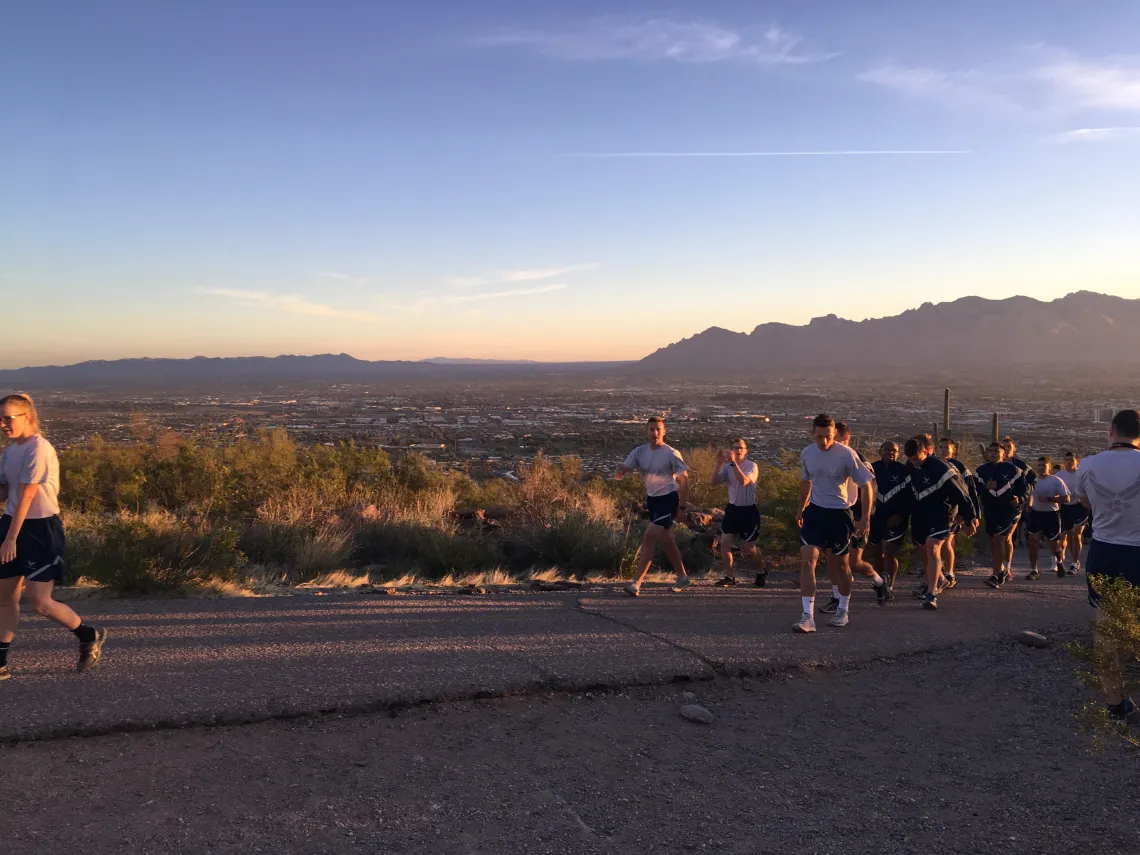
(1045, 523)
(1073, 516)
(827, 528)
(39, 550)
(1000, 519)
(1114, 561)
(881, 532)
(662, 508)
(741, 521)
(937, 526)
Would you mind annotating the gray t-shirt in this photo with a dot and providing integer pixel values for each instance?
(1048, 485)
(1111, 483)
(1070, 479)
(829, 472)
(659, 468)
(31, 462)
(739, 494)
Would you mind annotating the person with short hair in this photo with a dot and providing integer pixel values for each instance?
(32, 542)
(741, 516)
(824, 517)
(855, 554)
(947, 450)
(940, 497)
(1109, 486)
(1044, 521)
(1074, 515)
(891, 516)
(1024, 488)
(667, 488)
(999, 501)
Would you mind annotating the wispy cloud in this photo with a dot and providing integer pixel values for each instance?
(500, 295)
(519, 275)
(290, 303)
(1040, 82)
(341, 277)
(1095, 135)
(831, 153)
(659, 39)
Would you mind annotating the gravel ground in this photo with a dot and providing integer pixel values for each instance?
(972, 749)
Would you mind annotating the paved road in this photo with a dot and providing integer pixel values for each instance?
(173, 663)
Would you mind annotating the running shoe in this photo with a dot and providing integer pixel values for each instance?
(761, 579)
(681, 583)
(1032, 575)
(1124, 710)
(726, 582)
(831, 608)
(882, 593)
(930, 603)
(1075, 568)
(806, 624)
(633, 589)
(890, 595)
(1006, 575)
(840, 618)
(5, 673)
(91, 652)
(994, 581)
(1061, 571)
(951, 582)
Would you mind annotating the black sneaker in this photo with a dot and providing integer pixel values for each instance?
(930, 603)
(1061, 571)
(761, 579)
(831, 608)
(995, 581)
(881, 593)
(1005, 576)
(726, 582)
(951, 582)
(1032, 575)
(92, 652)
(1124, 710)
(5, 674)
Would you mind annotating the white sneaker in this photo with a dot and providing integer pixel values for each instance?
(1075, 567)
(806, 624)
(682, 583)
(633, 589)
(840, 618)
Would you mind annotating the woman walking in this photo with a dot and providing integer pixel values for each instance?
(31, 533)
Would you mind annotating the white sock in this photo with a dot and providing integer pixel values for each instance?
(878, 580)
(809, 605)
(843, 601)
(835, 591)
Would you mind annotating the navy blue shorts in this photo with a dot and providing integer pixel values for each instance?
(741, 521)
(1045, 523)
(40, 550)
(933, 527)
(662, 508)
(1113, 561)
(883, 532)
(827, 528)
(1000, 519)
(1074, 516)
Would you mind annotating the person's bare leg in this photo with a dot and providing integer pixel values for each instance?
(673, 552)
(9, 608)
(39, 598)
(809, 557)
(839, 570)
(932, 550)
(726, 555)
(997, 553)
(1076, 543)
(1034, 541)
(646, 552)
(891, 563)
(948, 556)
(755, 556)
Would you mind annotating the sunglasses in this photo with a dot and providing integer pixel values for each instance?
(11, 418)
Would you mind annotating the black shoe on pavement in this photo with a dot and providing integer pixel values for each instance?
(761, 579)
(726, 582)
(951, 582)
(831, 608)
(1032, 575)
(881, 593)
(930, 603)
(1061, 571)
(91, 652)
(1124, 710)
(994, 581)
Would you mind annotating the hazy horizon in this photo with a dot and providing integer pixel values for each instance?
(586, 183)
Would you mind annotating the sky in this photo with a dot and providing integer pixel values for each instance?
(555, 181)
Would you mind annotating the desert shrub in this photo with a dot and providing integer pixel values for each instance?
(399, 546)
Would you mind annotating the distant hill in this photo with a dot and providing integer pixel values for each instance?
(463, 360)
(1083, 331)
(332, 368)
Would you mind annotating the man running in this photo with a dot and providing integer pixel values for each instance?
(1024, 488)
(824, 517)
(940, 496)
(855, 559)
(741, 516)
(999, 502)
(1109, 485)
(667, 488)
(1074, 515)
(1045, 517)
(947, 450)
(891, 515)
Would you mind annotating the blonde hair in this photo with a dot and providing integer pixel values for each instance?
(25, 399)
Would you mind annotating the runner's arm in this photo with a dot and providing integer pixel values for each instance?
(683, 487)
(741, 478)
(27, 496)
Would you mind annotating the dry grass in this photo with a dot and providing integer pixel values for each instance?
(338, 579)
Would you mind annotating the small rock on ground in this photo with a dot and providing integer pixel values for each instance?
(697, 713)
(1032, 639)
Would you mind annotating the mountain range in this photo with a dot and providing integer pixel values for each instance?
(1084, 331)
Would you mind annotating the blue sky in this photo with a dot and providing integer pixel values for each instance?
(399, 180)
